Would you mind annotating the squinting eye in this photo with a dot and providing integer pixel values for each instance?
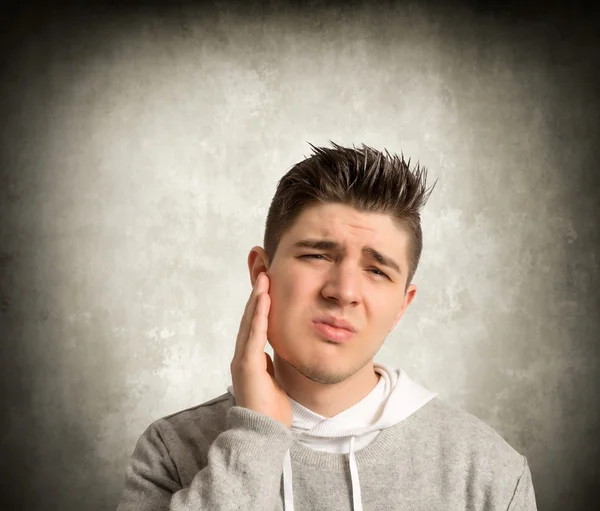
(379, 272)
(375, 271)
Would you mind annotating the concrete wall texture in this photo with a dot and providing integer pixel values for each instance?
(141, 148)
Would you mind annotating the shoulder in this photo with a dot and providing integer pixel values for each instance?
(204, 421)
(470, 456)
(467, 439)
(179, 443)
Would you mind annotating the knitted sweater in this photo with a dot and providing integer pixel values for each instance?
(218, 456)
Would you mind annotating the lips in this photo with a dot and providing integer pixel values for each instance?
(332, 333)
(333, 329)
(335, 322)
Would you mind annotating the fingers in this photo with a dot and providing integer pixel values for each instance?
(242, 330)
(248, 315)
(257, 338)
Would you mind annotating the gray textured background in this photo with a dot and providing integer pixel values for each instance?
(140, 151)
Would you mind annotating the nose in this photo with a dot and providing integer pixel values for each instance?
(342, 285)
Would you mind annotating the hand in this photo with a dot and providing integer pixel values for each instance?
(252, 370)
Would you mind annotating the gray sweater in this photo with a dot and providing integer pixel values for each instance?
(218, 456)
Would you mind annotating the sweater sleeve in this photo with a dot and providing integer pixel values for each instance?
(524, 496)
(243, 471)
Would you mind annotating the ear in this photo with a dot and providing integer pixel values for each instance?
(258, 262)
(411, 291)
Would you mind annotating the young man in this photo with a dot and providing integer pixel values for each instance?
(322, 426)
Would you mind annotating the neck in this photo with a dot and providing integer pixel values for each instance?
(326, 399)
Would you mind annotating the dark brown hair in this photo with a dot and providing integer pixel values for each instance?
(363, 178)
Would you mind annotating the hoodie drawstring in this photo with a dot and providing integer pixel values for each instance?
(288, 492)
(356, 497)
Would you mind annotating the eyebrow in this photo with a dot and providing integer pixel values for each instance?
(322, 244)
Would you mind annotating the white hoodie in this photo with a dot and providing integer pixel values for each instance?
(394, 398)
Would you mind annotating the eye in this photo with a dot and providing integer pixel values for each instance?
(375, 271)
(379, 272)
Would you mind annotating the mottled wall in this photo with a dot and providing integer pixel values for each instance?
(140, 151)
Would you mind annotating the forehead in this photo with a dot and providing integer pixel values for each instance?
(349, 227)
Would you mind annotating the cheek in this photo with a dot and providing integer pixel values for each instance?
(287, 304)
(390, 318)
(382, 313)
(278, 312)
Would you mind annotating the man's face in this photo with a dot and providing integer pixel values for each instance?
(344, 282)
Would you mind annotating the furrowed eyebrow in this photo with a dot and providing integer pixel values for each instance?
(320, 244)
(382, 259)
